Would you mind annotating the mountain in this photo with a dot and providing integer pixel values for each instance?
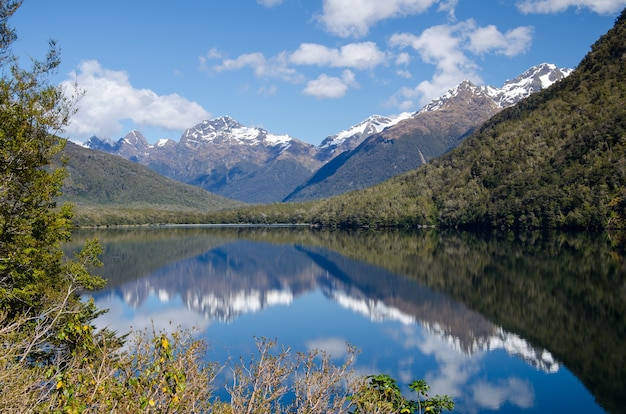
(350, 138)
(555, 159)
(533, 80)
(97, 179)
(413, 141)
(252, 165)
(224, 157)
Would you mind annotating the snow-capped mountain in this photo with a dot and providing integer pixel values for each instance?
(533, 80)
(350, 138)
(403, 146)
(437, 127)
(132, 146)
(226, 130)
(464, 90)
(253, 165)
(224, 157)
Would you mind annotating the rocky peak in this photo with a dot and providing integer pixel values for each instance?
(350, 138)
(463, 92)
(225, 130)
(133, 146)
(135, 139)
(100, 144)
(533, 80)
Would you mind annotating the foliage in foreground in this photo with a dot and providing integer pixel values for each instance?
(162, 373)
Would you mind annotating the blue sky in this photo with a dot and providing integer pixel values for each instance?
(306, 68)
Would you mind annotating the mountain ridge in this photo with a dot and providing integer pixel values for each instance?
(253, 165)
(554, 160)
(436, 128)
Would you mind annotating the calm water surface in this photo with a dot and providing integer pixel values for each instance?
(513, 324)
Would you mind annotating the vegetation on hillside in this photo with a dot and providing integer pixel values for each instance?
(555, 160)
(96, 178)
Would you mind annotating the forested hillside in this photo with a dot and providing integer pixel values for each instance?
(556, 159)
(104, 185)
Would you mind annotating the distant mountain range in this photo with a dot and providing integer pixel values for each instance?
(252, 165)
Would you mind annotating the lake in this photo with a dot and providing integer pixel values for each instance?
(510, 323)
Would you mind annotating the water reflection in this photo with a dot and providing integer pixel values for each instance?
(323, 289)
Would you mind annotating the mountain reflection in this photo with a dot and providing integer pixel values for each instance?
(539, 298)
(243, 277)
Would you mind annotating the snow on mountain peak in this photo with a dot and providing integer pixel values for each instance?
(226, 129)
(134, 137)
(464, 87)
(371, 125)
(163, 142)
(532, 80)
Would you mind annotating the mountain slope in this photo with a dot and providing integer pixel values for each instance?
(439, 126)
(99, 179)
(556, 159)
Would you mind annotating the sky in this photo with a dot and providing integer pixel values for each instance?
(304, 68)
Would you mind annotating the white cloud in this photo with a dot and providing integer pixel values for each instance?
(489, 39)
(267, 90)
(364, 55)
(448, 48)
(347, 18)
(556, 6)
(330, 87)
(274, 67)
(269, 3)
(441, 46)
(403, 59)
(110, 98)
(333, 346)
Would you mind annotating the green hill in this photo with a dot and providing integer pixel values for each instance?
(101, 184)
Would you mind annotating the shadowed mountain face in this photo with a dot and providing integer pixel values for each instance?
(403, 147)
(225, 158)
